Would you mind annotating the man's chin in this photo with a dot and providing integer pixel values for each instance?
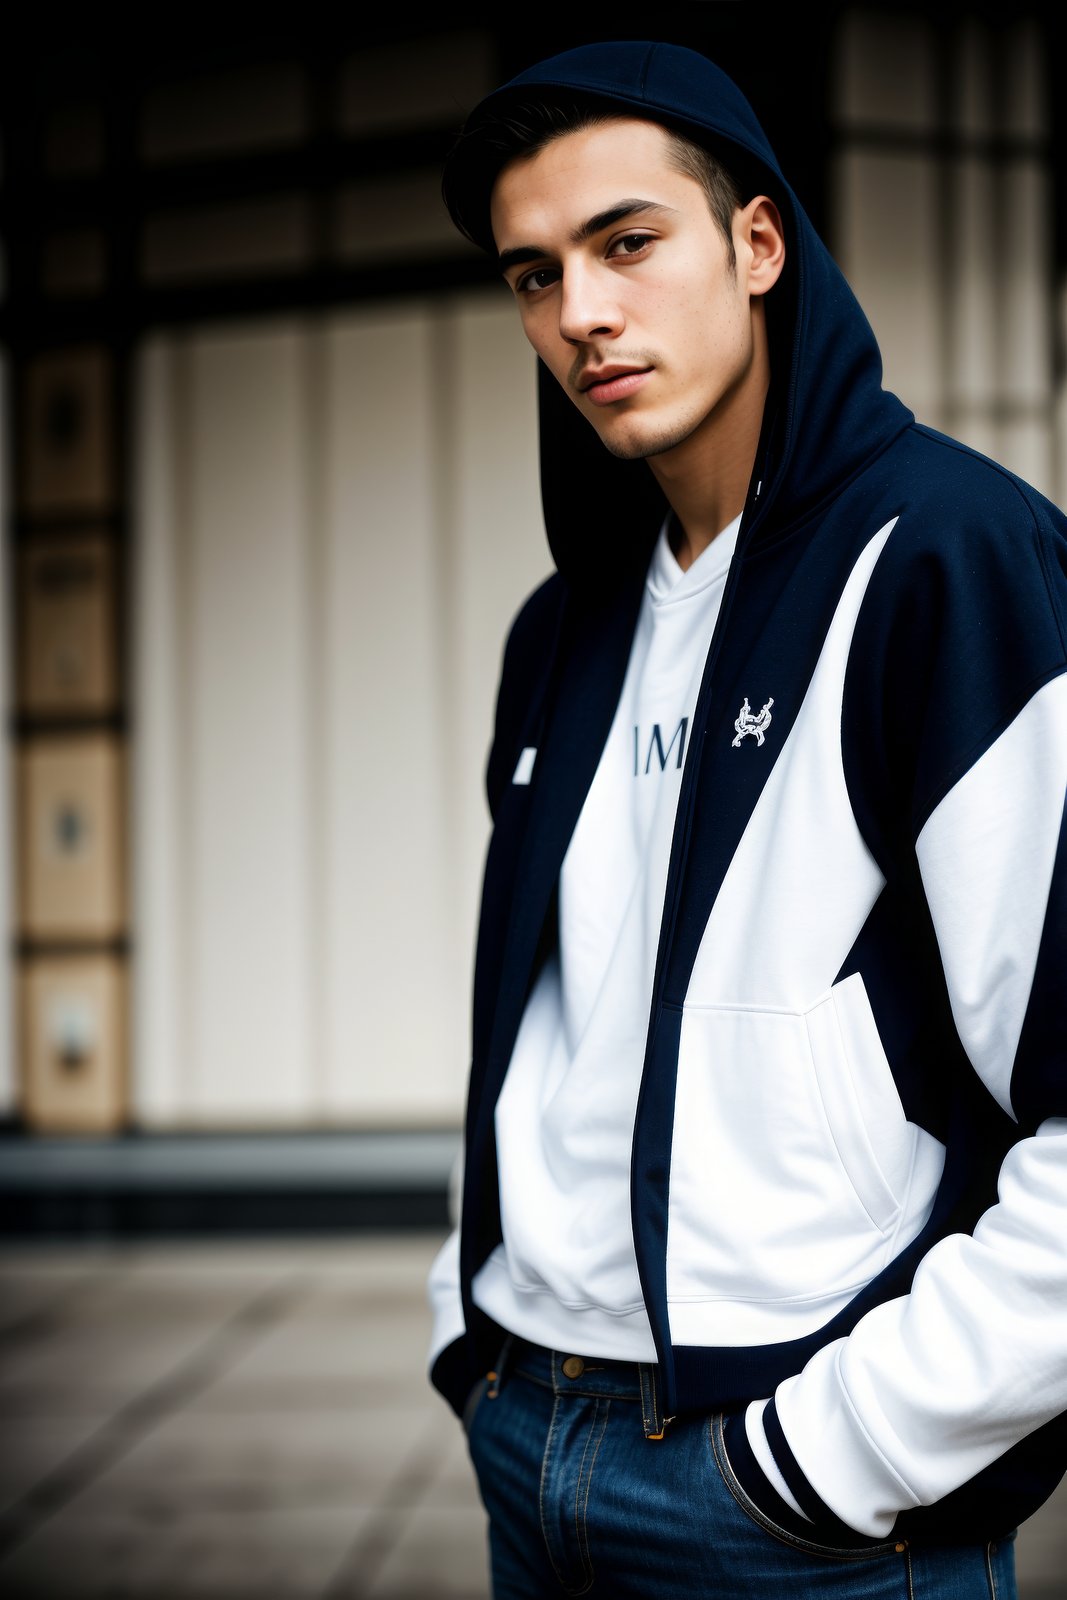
(638, 444)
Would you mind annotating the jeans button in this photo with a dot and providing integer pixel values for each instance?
(573, 1367)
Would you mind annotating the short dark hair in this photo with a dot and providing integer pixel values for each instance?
(522, 126)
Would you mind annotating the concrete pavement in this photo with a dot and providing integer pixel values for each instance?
(250, 1418)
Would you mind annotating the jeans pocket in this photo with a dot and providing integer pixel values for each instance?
(778, 1520)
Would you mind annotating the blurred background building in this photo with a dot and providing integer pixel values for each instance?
(269, 496)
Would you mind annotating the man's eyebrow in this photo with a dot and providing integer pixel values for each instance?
(585, 230)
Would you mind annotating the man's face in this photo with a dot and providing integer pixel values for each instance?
(625, 287)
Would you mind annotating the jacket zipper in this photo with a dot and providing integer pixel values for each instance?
(672, 896)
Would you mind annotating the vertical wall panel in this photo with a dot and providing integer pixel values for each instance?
(1027, 331)
(946, 239)
(887, 209)
(972, 306)
(222, 1007)
(247, 749)
(1034, 442)
(395, 1015)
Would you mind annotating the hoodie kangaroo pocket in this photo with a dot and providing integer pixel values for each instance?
(863, 1109)
(790, 1158)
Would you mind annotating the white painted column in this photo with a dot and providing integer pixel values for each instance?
(393, 1015)
(223, 1029)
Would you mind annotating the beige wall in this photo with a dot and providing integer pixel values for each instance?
(948, 247)
(335, 520)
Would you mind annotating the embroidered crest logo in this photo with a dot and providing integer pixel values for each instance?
(755, 725)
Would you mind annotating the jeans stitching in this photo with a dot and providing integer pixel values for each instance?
(587, 1570)
(989, 1571)
(586, 1573)
(580, 1519)
(760, 1518)
(541, 1491)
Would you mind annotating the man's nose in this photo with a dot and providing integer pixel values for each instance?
(589, 307)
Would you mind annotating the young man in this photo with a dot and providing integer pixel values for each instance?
(761, 1278)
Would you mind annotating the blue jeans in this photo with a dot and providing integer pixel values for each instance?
(584, 1499)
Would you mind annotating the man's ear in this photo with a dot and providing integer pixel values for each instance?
(759, 227)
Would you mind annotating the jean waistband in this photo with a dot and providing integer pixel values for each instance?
(571, 1373)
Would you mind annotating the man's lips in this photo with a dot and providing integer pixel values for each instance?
(605, 384)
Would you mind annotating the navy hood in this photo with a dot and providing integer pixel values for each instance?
(827, 414)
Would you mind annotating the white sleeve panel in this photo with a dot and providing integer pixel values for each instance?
(986, 855)
(930, 1388)
(444, 1296)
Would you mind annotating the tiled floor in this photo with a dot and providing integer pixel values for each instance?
(249, 1419)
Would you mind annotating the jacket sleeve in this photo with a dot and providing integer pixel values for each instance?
(932, 1387)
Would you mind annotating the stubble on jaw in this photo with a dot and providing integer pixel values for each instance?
(641, 450)
(668, 438)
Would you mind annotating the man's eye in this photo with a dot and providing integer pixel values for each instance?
(539, 278)
(630, 244)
